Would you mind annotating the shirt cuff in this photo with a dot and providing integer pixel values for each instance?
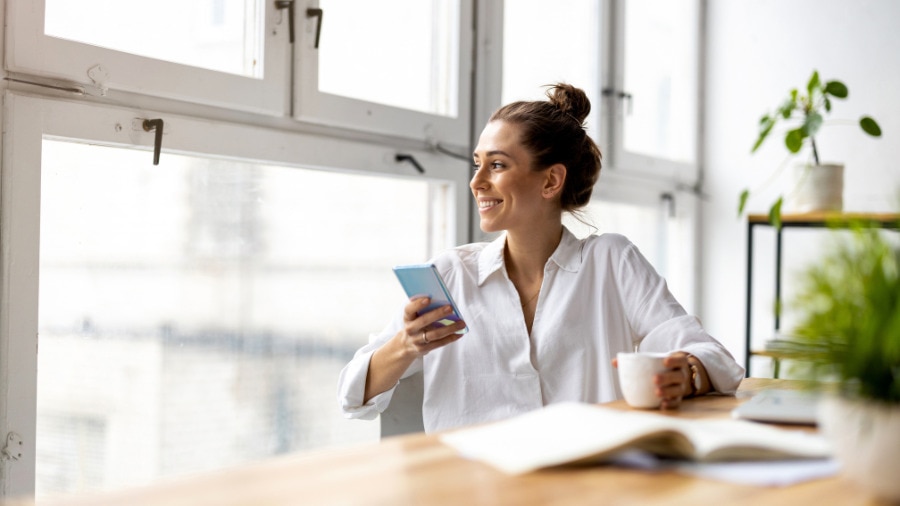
(352, 390)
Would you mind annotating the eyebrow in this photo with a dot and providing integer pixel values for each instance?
(492, 153)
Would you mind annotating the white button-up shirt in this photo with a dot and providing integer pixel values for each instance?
(599, 296)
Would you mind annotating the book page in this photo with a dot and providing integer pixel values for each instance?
(717, 440)
(574, 432)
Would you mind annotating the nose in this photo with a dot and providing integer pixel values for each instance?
(478, 181)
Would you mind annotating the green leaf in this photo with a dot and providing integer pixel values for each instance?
(775, 213)
(794, 139)
(813, 83)
(870, 126)
(765, 127)
(743, 201)
(787, 107)
(812, 123)
(827, 104)
(836, 89)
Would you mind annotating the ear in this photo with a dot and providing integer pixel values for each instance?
(554, 180)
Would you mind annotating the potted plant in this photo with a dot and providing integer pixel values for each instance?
(849, 326)
(818, 186)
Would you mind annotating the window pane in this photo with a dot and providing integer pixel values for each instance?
(563, 49)
(222, 35)
(196, 315)
(402, 53)
(661, 76)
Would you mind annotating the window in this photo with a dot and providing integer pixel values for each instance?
(652, 87)
(194, 315)
(637, 61)
(401, 66)
(229, 53)
(395, 67)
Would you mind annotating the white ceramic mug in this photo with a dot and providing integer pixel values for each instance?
(636, 372)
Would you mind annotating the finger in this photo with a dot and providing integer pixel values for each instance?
(615, 363)
(670, 403)
(675, 360)
(427, 320)
(673, 377)
(445, 332)
(437, 338)
(412, 308)
(670, 392)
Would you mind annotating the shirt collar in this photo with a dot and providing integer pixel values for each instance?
(567, 255)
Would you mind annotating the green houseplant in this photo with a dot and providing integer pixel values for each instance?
(806, 114)
(849, 329)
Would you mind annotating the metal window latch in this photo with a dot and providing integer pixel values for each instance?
(621, 95)
(319, 14)
(312, 12)
(402, 157)
(289, 5)
(157, 125)
(14, 447)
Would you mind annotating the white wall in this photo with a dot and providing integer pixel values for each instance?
(757, 51)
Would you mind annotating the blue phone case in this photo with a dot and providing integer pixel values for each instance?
(423, 280)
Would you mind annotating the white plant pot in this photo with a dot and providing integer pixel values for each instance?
(865, 436)
(816, 188)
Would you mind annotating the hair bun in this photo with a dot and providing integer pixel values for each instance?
(570, 100)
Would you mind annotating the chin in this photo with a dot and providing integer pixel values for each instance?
(488, 227)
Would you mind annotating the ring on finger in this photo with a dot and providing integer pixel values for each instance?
(425, 337)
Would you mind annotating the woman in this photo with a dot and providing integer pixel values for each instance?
(546, 312)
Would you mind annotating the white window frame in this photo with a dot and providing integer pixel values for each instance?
(100, 71)
(314, 106)
(614, 105)
(29, 119)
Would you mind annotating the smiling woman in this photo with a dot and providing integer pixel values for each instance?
(546, 311)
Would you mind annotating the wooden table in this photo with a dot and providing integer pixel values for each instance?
(419, 470)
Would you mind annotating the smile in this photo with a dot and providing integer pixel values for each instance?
(484, 205)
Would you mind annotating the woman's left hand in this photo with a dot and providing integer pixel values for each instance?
(675, 384)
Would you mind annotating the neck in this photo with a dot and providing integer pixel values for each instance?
(527, 252)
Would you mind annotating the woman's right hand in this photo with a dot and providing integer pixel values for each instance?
(420, 334)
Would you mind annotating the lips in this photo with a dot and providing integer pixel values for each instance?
(488, 204)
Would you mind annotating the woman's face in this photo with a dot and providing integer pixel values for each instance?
(506, 188)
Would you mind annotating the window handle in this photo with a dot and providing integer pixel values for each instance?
(157, 125)
(318, 14)
(289, 5)
(621, 95)
(402, 157)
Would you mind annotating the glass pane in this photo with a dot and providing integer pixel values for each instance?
(661, 76)
(222, 35)
(196, 315)
(402, 53)
(532, 57)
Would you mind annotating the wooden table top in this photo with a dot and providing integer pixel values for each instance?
(419, 470)
(825, 217)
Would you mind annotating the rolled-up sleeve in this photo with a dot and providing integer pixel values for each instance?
(352, 380)
(684, 333)
(661, 324)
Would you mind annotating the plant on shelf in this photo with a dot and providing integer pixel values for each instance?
(807, 113)
(848, 308)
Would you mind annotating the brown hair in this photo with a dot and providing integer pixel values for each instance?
(553, 131)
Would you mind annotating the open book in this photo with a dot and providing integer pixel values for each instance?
(574, 433)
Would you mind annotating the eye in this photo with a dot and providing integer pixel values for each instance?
(475, 166)
(497, 165)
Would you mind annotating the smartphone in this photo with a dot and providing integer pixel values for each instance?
(423, 280)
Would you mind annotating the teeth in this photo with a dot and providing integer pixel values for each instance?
(484, 204)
